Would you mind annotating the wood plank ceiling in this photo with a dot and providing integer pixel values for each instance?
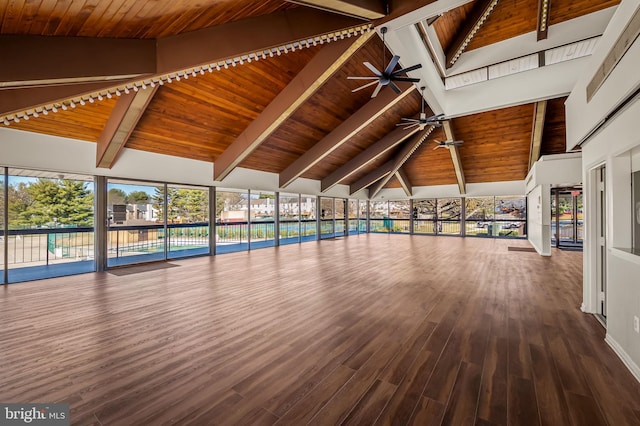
(199, 118)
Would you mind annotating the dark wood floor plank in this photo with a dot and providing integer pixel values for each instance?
(428, 412)
(552, 405)
(461, 407)
(584, 410)
(522, 408)
(383, 329)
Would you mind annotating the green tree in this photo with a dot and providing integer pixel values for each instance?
(138, 197)
(19, 200)
(116, 196)
(67, 202)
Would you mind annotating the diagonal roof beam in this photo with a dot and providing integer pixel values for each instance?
(539, 112)
(371, 178)
(400, 158)
(123, 119)
(455, 157)
(543, 19)
(347, 129)
(189, 51)
(389, 141)
(472, 24)
(363, 9)
(403, 178)
(323, 65)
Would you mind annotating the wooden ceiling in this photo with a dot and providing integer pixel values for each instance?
(202, 117)
(511, 18)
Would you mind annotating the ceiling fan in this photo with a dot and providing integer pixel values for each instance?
(423, 121)
(388, 76)
(447, 144)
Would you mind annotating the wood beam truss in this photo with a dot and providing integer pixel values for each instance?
(346, 130)
(389, 141)
(543, 19)
(539, 112)
(401, 157)
(405, 183)
(362, 9)
(455, 157)
(472, 24)
(123, 119)
(323, 65)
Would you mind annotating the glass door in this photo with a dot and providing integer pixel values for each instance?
(567, 224)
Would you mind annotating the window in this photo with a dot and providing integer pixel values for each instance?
(289, 217)
(379, 216)
(340, 207)
(232, 216)
(49, 225)
(262, 226)
(353, 217)
(448, 213)
(326, 217)
(362, 216)
(135, 216)
(424, 216)
(308, 218)
(187, 221)
(400, 216)
(510, 217)
(479, 216)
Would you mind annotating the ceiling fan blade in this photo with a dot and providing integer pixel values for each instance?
(362, 78)
(438, 117)
(438, 146)
(364, 86)
(373, 69)
(411, 120)
(375, 92)
(406, 70)
(392, 64)
(410, 126)
(395, 87)
(413, 80)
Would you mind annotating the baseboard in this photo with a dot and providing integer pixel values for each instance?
(632, 366)
(540, 252)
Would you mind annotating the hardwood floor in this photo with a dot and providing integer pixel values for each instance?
(370, 329)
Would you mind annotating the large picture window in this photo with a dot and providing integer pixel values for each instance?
(49, 224)
(449, 212)
(232, 221)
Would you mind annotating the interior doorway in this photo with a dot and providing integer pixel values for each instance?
(567, 218)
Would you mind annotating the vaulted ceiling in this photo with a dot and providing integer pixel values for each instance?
(263, 85)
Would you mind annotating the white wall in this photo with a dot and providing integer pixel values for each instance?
(615, 146)
(539, 218)
(486, 189)
(52, 153)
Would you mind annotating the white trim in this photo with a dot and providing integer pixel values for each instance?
(626, 359)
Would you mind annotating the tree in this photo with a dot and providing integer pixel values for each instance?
(66, 202)
(186, 205)
(19, 200)
(138, 197)
(116, 196)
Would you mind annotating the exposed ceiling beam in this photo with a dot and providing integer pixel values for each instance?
(341, 134)
(407, 149)
(123, 119)
(40, 60)
(455, 157)
(246, 36)
(363, 9)
(389, 141)
(539, 112)
(323, 65)
(185, 51)
(479, 14)
(543, 19)
(15, 100)
(405, 183)
(371, 178)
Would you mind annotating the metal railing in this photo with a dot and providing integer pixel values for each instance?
(45, 246)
